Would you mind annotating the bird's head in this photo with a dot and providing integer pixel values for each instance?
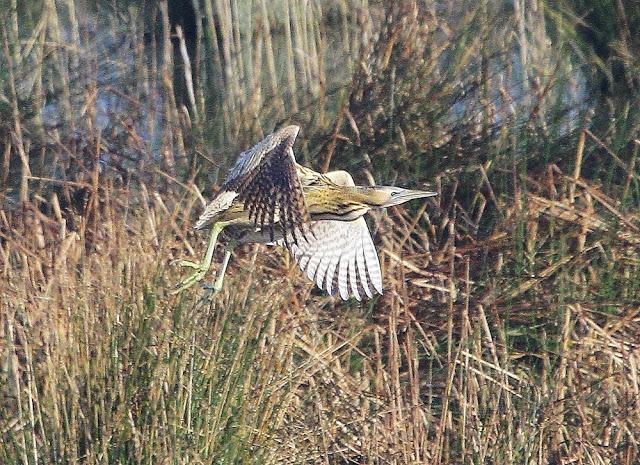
(397, 195)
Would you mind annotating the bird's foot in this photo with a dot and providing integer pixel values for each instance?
(213, 288)
(217, 285)
(198, 275)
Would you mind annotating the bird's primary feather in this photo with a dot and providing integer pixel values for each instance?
(340, 257)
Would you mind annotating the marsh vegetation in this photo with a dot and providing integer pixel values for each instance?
(510, 324)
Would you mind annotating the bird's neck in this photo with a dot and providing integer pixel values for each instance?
(371, 196)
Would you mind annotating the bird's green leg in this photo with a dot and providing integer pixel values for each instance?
(217, 285)
(202, 267)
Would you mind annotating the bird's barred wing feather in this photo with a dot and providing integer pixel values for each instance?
(340, 257)
(265, 180)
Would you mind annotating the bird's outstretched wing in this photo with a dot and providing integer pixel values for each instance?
(264, 178)
(340, 257)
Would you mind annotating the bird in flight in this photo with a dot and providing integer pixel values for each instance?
(268, 198)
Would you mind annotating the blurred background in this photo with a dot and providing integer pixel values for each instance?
(509, 327)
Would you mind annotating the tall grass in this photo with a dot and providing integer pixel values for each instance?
(508, 331)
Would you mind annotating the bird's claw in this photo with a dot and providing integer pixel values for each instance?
(213, 288)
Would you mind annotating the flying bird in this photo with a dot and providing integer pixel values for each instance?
(269, 198)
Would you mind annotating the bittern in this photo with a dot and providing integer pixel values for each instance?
(268, 198)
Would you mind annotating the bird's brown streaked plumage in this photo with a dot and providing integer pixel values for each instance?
(268, 197)
(265, 180)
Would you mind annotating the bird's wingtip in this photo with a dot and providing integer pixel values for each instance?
(289, 131)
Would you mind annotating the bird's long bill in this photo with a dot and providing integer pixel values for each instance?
(405, 195)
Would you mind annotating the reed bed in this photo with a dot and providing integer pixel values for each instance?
(509, 327)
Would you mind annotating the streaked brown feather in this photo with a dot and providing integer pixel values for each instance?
(265, 178)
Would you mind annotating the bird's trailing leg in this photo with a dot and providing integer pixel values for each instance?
(202, 267)
(217, 285)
